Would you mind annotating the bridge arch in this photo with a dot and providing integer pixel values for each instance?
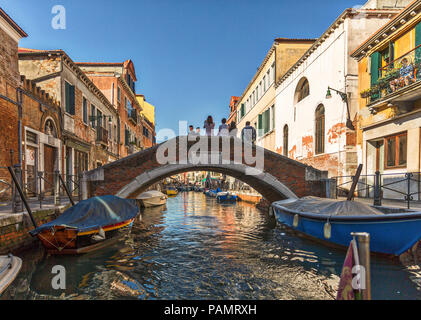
(279, 178)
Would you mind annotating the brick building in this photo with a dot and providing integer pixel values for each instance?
(233, 110)
(29, 120)
(10, 108)
(117, 81)
(88, 120)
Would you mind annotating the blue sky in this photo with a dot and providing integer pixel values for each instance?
(190, 56)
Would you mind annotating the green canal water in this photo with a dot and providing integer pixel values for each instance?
(195, 248)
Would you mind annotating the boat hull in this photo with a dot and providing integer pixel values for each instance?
(171, 192)
(250, 198)
(226, 197)
(9, 269)
(390, 234)
(64, 240)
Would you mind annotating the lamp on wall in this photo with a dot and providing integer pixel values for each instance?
(344, 98)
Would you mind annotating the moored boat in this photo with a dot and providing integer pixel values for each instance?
(89, 225)
(249, 197)
(211, 193)
(9, 269)
(171, 191)
(226, 197)
(152, 198)
(392, 230)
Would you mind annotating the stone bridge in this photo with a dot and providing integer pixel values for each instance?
(276, 177)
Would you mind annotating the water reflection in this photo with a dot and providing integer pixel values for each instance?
(195, 248)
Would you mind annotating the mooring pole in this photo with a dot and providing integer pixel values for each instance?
(18, 187)
(66, 189)
(354, 182)
(364, 255)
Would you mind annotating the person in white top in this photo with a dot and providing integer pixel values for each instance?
(223, 128)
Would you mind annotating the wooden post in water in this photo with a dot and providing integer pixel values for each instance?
(364, 257)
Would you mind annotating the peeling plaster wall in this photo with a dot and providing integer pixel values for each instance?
(329, 65)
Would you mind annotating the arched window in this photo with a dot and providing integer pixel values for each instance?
(285, 146)
(320, 129)
(302, 90)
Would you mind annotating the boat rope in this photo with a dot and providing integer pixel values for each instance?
(57, 247)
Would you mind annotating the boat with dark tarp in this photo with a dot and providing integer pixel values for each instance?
(89, 225)
(392, 230)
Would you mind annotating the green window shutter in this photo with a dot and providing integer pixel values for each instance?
(118, 132)
(267, 122)
(243, 111)
(375, 65)
(260, 124)
(72, 100)
(417, 43)
(67, 96)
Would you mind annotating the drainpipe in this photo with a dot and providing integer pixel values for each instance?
(19, 103)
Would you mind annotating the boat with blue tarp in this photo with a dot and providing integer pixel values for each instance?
(392, 230)
(89, 225)
(226, 196)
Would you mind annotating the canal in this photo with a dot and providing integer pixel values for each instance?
(195, 248)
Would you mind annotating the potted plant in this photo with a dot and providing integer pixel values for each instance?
(365, 93)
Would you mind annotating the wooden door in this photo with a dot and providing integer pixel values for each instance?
(49, 168)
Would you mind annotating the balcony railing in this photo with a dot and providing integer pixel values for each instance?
(132, 113)
(395, 76)
(102, 135)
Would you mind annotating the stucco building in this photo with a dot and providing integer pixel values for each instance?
(257, 103)
(311, 127)
(148, 121)
(389, 121)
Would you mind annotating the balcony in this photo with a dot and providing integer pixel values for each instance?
(132, 114)
(398, 83)
(133, 148)
(102, 136)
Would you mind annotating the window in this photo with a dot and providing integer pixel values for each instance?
(243, 111)
(93, 116)
(268, 77)
(264, 83)
(70, 98)
(118, 94)
(31, 137)
(146, 132)
(264, 122)
(85, 110)
(99, 118)
(320, 129)
(273, 72)
(396, 150)
(302, 90)
(273, 117)
(285, 144)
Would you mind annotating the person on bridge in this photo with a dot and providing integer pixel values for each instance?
(233, 129)
(248, 134)
(198, 131)
(209, 126)
(223, 128)
(191, 131)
